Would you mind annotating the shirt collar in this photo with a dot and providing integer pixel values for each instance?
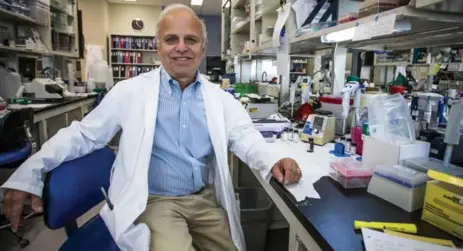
(167, 81)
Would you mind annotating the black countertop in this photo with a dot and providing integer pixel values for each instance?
(330, 220)
(60, 102)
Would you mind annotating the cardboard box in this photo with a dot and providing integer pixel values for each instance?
(377, 152)
(443, 207)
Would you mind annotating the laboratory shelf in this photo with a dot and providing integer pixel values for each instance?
(237, 4)
(23, 50)
(64, 32)
(265, 48)
(6, 15)
(65, 54)
(243, 27)
(426, 28)
(267, 9)
(62, 10)
(138, 50)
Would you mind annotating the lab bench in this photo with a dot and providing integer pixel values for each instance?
(49, 118)
(328, 223)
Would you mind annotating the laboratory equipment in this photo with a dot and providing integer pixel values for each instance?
(399, 227)
(271, 125)
(44, 89)
(99, 76)
(10, 82)
(435, 136)
(400, 185)
(261, 110)
(305, 83)
(350, 173)
(320, 127)
(351, 88)
(428, 107)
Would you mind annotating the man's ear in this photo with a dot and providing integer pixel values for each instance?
(204, 46)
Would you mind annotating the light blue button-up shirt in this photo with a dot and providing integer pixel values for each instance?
(181, 140)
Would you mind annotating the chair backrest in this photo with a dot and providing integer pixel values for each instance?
(74, 187)
(12, 128)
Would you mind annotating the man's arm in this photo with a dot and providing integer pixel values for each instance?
(246, 142)
(80, 138)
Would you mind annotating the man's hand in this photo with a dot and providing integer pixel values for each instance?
(13, 204)
(287, 171)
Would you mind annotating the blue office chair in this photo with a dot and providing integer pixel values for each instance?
(15, 148)
(71, 190)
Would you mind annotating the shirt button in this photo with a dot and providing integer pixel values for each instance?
(184, 103)
(184, 126)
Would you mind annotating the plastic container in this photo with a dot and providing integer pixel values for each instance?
(350, 174)
(401, 186)
(402, 175)
(256, 213)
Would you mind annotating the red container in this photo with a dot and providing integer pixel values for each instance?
(356, 135)
(397, 89)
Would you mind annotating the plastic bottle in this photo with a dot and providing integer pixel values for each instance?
(296, 135)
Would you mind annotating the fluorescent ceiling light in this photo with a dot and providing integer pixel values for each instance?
(348, 34)
(130, 0)
(197, 2)
(339, 36)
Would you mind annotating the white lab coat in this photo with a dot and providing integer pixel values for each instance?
(132, 106)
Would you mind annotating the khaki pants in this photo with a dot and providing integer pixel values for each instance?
(188, 223)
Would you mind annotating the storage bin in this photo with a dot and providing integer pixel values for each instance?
(401, 186)
(350, 173)
(256, 212)
(245, 88)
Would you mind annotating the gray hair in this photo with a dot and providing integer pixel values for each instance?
(177, 6)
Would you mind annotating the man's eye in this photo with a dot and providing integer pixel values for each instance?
(192, 40)
(170, 40)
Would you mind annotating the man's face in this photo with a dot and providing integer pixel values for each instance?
(180, 44)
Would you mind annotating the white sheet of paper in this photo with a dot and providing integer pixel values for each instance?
(313, 166)
(362, 31)
(379, 241)
(383, 25)
(283, 14)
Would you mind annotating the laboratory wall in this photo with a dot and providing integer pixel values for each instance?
(95, 21)
(122, 15)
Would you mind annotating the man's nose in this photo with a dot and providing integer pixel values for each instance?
(182, 46)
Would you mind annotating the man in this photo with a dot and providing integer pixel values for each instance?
(170, 177)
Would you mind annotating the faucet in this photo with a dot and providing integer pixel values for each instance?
(262, 78)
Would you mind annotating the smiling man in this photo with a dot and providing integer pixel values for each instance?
(171, 186)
